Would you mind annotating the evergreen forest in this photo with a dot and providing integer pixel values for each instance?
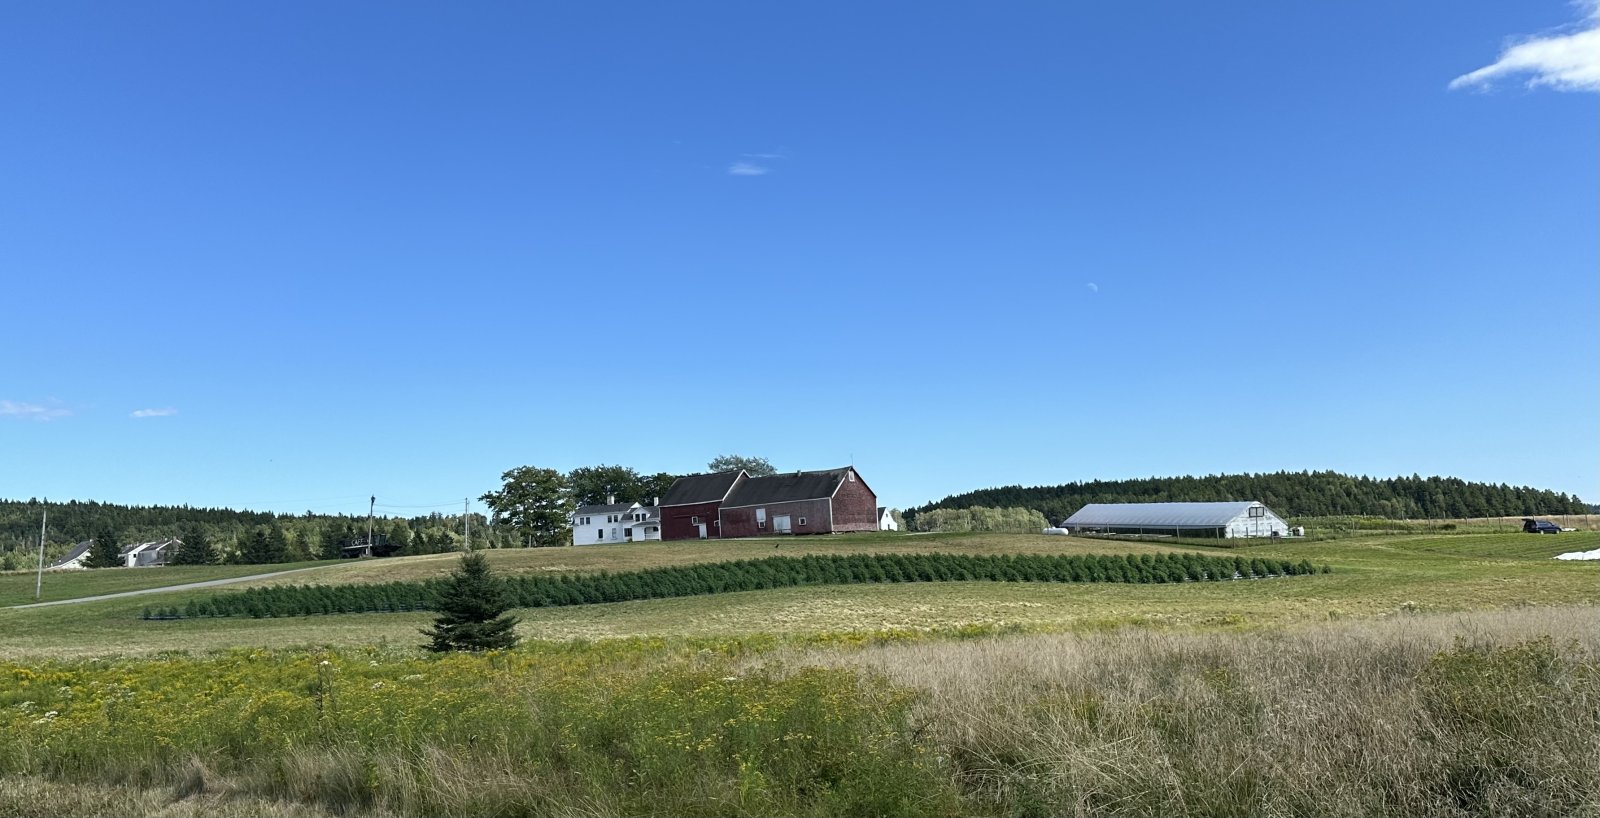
(230, 536)
(1291, 494)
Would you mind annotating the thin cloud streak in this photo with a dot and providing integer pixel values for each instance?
(747, 169)
(1563, 62)
(31, 411)
(154, 413)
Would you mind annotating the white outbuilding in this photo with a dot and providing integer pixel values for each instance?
(1231, 519)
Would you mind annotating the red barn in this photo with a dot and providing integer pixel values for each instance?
(733, 504)
(689, 508)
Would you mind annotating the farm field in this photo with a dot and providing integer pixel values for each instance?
(1373, 576)
(1417, 664)
(16, 587)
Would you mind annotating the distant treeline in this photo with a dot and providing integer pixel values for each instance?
(747, 575)
(1291, 494)
(231, 536)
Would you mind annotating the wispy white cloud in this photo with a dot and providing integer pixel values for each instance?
(1565, 60)
(773, 155)
(1093, 287)
(742, 168)
(31, 411)
(154, 413)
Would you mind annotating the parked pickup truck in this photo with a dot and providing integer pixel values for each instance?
(1540, 527)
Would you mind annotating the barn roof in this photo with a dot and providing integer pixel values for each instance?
(700, 488)
(788, 487)
(1156, 515)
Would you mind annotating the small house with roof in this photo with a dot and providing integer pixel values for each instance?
(1244, 518)
(149, 554)
(74, 559)
(613, 522)
(886, 520)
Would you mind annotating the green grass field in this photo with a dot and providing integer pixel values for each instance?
(1399, 684)
(16, 587)
(1373, 577)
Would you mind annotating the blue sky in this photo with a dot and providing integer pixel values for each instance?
(285, 256)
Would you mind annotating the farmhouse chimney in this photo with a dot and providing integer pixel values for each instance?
(611, 499)
(655, 501)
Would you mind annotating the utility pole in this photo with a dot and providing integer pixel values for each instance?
(466, 525)
(373, 505)
(38, 582)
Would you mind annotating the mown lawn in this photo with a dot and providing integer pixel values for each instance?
(16, 587)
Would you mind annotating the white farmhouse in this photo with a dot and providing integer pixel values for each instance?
(615, 522)
(1231, 519)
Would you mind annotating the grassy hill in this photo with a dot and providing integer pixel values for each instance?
(1374, 576)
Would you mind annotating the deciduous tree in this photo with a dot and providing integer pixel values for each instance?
(754, 466)
(591, 485)
(536, 503)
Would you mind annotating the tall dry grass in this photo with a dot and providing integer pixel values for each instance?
(1494, 713)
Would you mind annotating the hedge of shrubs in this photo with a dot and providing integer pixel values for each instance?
(747, 575)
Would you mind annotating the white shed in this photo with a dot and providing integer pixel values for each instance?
(1231, 519)
(886, 520)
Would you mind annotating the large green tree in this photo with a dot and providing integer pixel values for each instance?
(196, 548)
(103, 554)
(655, 487)
(263, 545)
(591, 485)
(754, 466)
(472, 607)
(535, 503)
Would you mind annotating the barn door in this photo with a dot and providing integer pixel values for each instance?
(702, 528)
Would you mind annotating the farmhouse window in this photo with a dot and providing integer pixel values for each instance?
(599, 533)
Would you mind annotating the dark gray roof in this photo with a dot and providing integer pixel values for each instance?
(76, 552)
(611, 509)
(784, 488)
(700, 488)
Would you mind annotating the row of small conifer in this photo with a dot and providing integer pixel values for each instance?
(748, 575)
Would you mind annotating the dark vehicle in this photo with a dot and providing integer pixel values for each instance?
(1540, 527)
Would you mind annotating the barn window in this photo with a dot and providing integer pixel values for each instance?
(1258, 511)
(851, 475)
(694, 521)
(802, 521)
(761, 525)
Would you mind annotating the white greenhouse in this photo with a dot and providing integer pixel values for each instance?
(1233, 519)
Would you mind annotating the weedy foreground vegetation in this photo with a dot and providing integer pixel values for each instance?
(1357, 702)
